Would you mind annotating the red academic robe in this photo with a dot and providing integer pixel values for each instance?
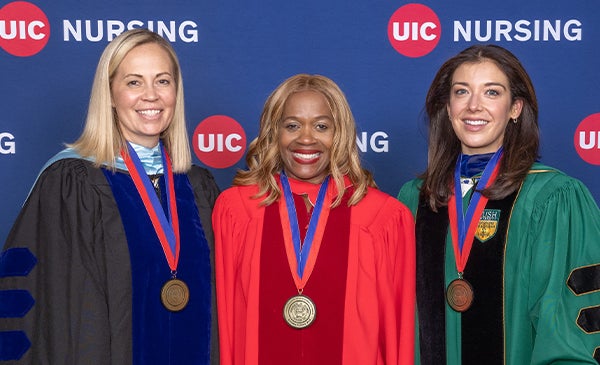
(379, 300)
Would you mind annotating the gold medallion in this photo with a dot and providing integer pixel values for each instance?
(175, 295)
(460, 295)
(299, 311)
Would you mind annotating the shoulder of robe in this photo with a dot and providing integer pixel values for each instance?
(238, 199)
(73, 169)
(378, 208)
(200, 176)
(545, 184)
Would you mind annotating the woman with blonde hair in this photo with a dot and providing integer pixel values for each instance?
(314, 265)
(117, 228)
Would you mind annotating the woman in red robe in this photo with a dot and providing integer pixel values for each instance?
(314, 265)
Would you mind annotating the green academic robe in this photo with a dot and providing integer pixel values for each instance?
(540, 288)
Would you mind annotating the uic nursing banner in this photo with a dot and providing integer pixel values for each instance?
(383, 54)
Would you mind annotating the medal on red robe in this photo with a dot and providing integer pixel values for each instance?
(175, 293)
(300, 311)
(460, 293)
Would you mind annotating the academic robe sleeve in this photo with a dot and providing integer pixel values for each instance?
(561, 241)
(409, 195)
(380, 298)
(70, 233)
(238, 225)
(405, 284)
(206, 192)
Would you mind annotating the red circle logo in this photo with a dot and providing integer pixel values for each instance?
(414, 30)
(219, 141)
(587, 139)
(24, 29)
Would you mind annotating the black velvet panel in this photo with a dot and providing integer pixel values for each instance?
(431, 230)
(482, 323)
(585, 280)
(589, 319)
(597, 355)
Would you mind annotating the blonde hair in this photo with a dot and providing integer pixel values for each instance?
(102, 138)
(263, 158)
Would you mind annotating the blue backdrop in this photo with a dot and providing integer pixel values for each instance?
(383, 54)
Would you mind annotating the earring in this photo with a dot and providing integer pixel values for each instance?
(515, 120)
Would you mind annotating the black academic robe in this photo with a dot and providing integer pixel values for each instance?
(75, 287)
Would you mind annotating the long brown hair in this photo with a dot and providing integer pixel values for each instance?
(521, 140)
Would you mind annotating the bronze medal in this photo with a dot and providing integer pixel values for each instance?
(175, 295)
(460, 295)
(299, 311)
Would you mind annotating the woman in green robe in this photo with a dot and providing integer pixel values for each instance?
(508, 249)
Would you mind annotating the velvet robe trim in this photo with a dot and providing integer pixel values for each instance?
(431, 230)
(321, 342)
(160, 336)
(484, 271)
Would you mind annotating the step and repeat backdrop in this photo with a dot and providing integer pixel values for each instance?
(382, 53)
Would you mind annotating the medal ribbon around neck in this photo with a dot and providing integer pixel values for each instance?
(462, 235)
(313, 234)
(168, 233)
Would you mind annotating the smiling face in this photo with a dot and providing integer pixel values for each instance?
(481, 106)
(305, 136)
(144, 93)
